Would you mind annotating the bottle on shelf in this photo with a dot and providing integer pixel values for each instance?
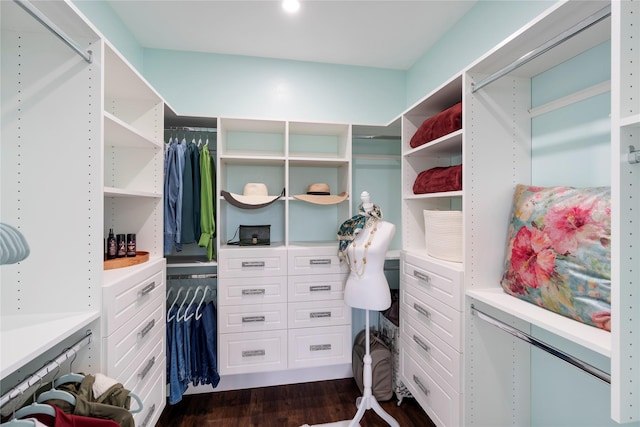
(112, 249)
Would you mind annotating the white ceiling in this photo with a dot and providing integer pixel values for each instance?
(387, 34)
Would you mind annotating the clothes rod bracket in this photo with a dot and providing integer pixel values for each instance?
(40, 17)
(634, 155)
(559, 39)
(586, 367)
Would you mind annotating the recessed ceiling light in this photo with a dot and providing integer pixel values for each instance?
(291, 6)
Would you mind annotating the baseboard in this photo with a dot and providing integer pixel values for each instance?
(266, 379)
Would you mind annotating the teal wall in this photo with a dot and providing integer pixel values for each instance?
(240, 86)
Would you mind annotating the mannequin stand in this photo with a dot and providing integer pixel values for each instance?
(368, 400)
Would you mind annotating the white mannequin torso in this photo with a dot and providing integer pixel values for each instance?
(367, 287)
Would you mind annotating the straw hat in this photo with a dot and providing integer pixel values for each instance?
(254, 195)
(320, 194)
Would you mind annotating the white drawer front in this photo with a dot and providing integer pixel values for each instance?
(441, 319)
(139, 372)
(436, 397)
(122, 300)
(252, 262)
(310, 347)
(252, 290)
(431, 350)
(122, 347)
(319, 287)
(153, 397)
(437, 280)
(252, 352)
(249, 318)
(318, 313)
(317, 260)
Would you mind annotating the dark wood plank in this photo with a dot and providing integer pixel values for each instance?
(289, 405)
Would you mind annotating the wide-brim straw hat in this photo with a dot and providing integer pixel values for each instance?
(254, 195)
(320, 194)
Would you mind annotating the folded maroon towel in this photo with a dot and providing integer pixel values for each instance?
(438, 179)
(443, 123)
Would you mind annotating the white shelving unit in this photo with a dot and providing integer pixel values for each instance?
(50, 190)
(494, 147)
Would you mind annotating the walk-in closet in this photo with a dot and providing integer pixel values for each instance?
(181, 225)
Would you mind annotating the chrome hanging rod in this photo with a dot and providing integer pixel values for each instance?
(559, 39)
(40, 17)
(37, 377)
(590, 369)
(192, 276)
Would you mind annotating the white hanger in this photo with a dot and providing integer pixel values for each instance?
(171, 317)
(207, 288)
(195, 294)
(180, 317)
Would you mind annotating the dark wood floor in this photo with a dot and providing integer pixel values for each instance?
(286, 406)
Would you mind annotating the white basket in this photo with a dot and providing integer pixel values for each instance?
(443, 234)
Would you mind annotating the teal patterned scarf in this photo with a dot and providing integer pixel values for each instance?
(354, 225)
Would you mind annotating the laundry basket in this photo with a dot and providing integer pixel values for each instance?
(443, 234)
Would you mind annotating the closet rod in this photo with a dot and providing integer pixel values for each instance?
(590, 369)
(559, 39)
(39, 16)
(192, 276)
(37, 377)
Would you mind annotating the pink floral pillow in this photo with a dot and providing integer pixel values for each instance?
(559, 253)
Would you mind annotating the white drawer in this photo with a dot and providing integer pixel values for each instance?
(123, 299)
(310, 347)
(436, 397)
(431, 350)
(318, 287)
(252, 262)
(318, 313)
(444, 321)
(139, 372)
(153, 397)
(252, 352)
(252, 290)
(442, 281)
(315, 260)
(122, 347)
(249, 318)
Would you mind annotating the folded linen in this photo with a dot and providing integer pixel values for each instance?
(443, 123)
(438, 179)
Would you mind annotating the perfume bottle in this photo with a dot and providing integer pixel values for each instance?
(122, 246)
(131, 245)
(112, 250)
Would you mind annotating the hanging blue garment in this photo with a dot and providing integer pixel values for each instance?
(173, 188)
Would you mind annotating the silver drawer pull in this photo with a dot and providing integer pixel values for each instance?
(147, 368)
(319, 347)
(253, 292)
(144, 331)
(319, 288)
(149, 415)
(253, 353)
(249, 264)
(421, 386)
(326, 261)
(252, 319)
(319, 314)
(144, 291)
(422, 344)
(420, 309)
(421, 276)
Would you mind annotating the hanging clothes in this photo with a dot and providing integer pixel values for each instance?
(62, 419)
(191, 347)
(190, 231)
(207, 208)
(173, 188)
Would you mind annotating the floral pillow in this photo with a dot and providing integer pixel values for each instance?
(559, 252)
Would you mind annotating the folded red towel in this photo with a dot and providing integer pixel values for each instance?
(443, 123)
(438, 179)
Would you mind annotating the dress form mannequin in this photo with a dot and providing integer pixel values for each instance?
(367, 288)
